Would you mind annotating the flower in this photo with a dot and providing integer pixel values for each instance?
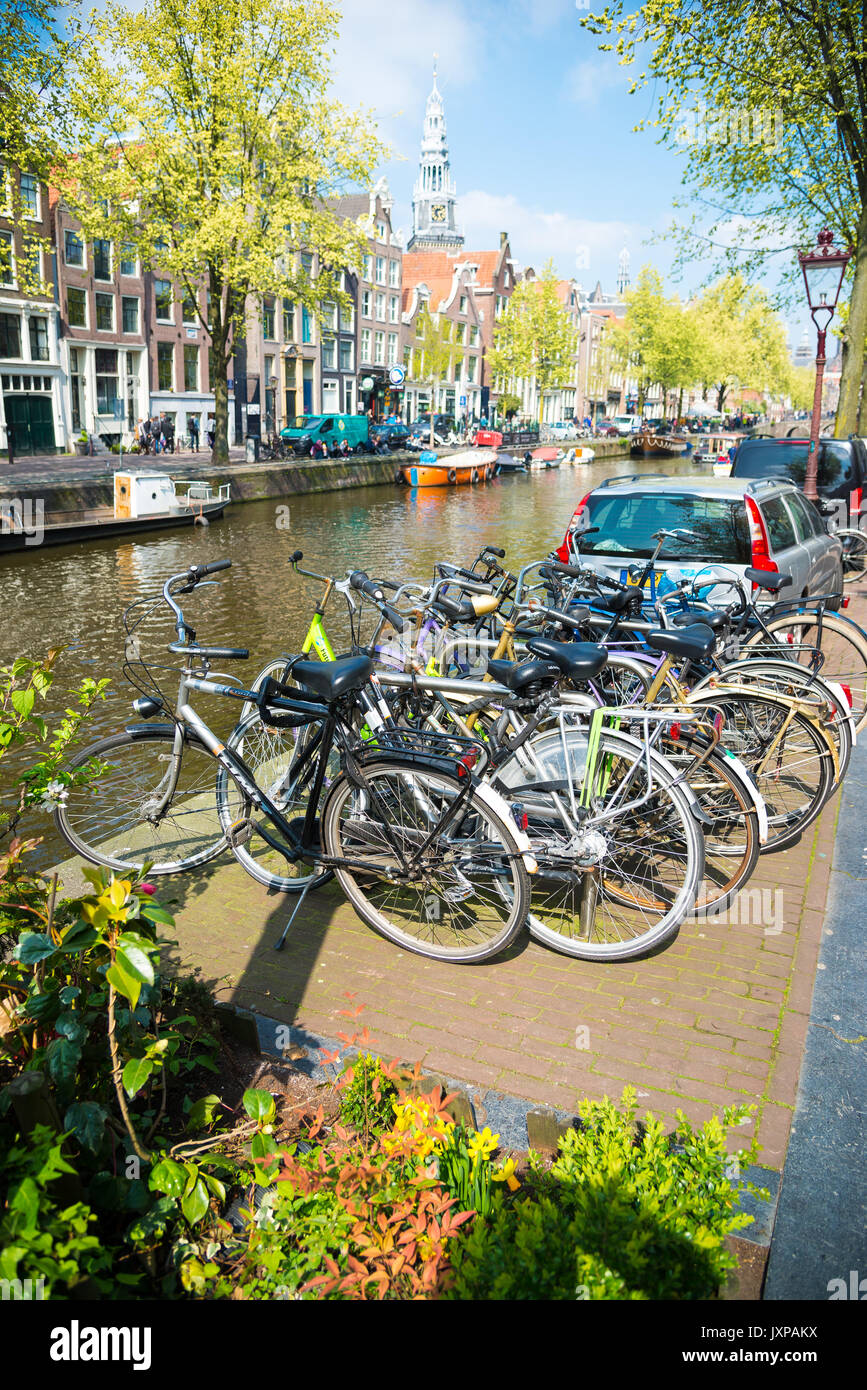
(506, 1173)
(148, 888)
(53, 794)
(482, 1145)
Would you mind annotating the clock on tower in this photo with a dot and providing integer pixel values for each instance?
(438, 212)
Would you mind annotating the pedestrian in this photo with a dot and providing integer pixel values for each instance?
(169, 433)
(144, 437)
(212, 432)
(194, 433)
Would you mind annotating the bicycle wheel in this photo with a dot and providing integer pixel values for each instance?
(624, 884)
(276, 759)
(843, 645)
(789, 757)
(114, 818)
(276, 671)
(789, 679)
(854, 554)
(466, 900)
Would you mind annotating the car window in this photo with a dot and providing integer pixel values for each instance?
(801, 523)
(627, 523)
(326, 426)
(759, 458)
(809, 517)
(779, 523)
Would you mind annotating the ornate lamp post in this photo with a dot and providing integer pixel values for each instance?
(823, 269)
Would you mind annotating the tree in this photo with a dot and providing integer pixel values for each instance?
(790, 157)
(509, 404)
(208, 142)
(534, 337)
(437, 346)
(743, 341)
(656, 343)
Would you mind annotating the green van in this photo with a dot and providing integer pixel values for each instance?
(333, 429)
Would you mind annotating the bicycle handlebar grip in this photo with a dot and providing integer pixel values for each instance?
(494, 550)
(296, 556)
(360, 581)
(199, 571)
(393, 617)
(573, 571)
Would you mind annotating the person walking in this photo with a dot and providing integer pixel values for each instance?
(143, 433)
(194, 433)
(168, 432)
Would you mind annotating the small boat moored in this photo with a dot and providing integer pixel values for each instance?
(468, 466)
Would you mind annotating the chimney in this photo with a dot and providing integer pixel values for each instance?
(504, 237)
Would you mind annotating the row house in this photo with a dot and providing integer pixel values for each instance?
(379, 290)
(33, 416)
(435, 280)
(492, 279)
(278, 366)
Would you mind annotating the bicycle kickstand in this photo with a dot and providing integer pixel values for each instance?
(296, 910)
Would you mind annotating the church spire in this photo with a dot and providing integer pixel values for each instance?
(434, 196)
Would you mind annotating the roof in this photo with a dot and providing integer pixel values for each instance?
(698, 484)
(436, 269)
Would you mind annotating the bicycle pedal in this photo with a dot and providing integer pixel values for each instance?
(239, 833)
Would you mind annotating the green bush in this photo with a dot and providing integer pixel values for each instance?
(367, 1096)
(624, 1213)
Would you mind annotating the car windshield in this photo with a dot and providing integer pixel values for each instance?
(788, 459)
(306, 422)
(627, 524)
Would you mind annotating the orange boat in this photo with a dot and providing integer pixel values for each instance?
(470, 466)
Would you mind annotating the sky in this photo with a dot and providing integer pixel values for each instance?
(540, 129)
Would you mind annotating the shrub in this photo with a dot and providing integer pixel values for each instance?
(624, 1213)
(367, 1094)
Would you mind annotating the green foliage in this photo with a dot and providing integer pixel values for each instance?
(534, 337)
(366, 1099)
(623, 1213)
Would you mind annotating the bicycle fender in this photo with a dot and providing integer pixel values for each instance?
(501, 807)
(145, 730)
(850, 717)
(753, 792)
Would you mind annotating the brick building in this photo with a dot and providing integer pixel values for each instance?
(378, 291)
(444, 285)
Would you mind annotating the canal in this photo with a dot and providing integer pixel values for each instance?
(74, 596)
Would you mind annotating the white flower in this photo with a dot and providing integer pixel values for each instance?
(53, 795)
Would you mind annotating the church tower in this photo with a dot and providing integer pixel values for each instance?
(434, 197)
(623, 272)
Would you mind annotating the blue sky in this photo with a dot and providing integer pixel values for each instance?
(540, 128)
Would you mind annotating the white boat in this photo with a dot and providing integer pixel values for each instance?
(580, 454)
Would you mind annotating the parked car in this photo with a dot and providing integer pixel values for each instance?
(625, 424)
(563, 429)
(766, 524)
(443, 425)
(330, 430)
(841, 475)
(395, 436)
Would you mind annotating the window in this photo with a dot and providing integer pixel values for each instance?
(474, 336)
(165, 366)
(347, 363)
(38, 339)
(76, 308)
(30, 195)
(368, 267)
(379, 349)
(104, 312)
(380, 270)
(394, 274)
(505, 279)
(268, 319)
(347, 318)
(191, 368)
(73, 249)
(328, 311)
(128, 259)
(288, 320)
(101, 259)
(462, 309)
(10, 335)
(393, 308)
(365, 304)
(807, 514)
(328, 353)
(779, 524)
(129, 309)
(365, 344)
(392, 349)
(380, 307)
(163, 300)
(190, 308)
(106, 380)
(460, 332)
(471, 368)
(306, 325)
(380, 231)
(627, 525)
(307, 264)
(7, 259)
(269, 370)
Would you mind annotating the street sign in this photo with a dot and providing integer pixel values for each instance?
(396, 376)
(463, 400)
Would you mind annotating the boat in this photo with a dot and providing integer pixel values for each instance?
(580, 454)
(714, 447)
(506, 463)
(545, 457)
(467, 466)
(487, 439)
(143, 501)
(658, 443)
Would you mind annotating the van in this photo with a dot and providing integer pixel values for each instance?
(626, 424)
(841, 473)
(332, 429)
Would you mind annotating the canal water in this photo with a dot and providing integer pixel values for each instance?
(75, 596)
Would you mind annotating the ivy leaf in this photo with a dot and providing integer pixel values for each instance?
(169, 1178)
(259, 1105)
(69, 993)
(79, 937)
(195, 1204)
(25, 1203)
(135, 1074)
(33, 946)
(70, 1026)
(87, 1120)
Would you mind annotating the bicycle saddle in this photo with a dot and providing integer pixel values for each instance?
(692, 643)
(518, 675)
(580, 661)
(718, 621)
(331, 679)
(766, 579)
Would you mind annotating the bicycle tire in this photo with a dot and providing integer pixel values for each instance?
(851, 651)
(112, 807)
(794, 796)
(269, 753)
(854, 553)
(437, 903)
(625, 903)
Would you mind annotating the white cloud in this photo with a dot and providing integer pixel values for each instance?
(591, 78)
(579, 246)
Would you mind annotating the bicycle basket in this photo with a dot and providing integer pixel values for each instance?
(287, 707)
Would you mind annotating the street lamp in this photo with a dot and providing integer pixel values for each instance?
(823, 269)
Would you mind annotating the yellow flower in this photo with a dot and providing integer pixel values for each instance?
(482, 1145)
(506, 1173)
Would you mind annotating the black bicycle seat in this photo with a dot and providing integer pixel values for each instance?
(580, 661)
(692, 643)
(718, 621)
(518, 675)
(331, 679)
(766, 579)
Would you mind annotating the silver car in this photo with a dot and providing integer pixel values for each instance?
(764, 524)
